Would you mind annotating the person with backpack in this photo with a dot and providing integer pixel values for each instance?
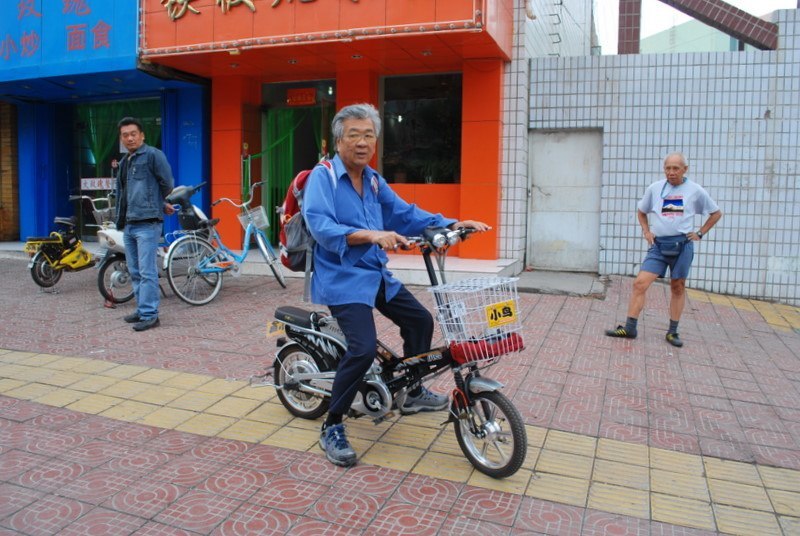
(355, 217)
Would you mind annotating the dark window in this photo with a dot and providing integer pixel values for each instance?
(422, 129)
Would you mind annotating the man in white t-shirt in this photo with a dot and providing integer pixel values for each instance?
(673, 203)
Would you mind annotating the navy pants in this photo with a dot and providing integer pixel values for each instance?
(358, 325)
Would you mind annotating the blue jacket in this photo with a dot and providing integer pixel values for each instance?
(333, 209)
(143, 182)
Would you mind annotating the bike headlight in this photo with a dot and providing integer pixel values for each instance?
(436, 237)
(452, 237)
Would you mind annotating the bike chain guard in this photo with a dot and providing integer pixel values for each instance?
(373, 398)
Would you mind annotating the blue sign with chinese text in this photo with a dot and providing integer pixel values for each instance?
(45, 38)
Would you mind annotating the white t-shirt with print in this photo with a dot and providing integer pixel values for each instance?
(671, 209)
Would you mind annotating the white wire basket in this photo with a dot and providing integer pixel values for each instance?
(479, 317)
(258, 215)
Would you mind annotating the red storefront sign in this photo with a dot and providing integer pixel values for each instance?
(305, 96)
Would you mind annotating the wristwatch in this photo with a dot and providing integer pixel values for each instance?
(699, 234)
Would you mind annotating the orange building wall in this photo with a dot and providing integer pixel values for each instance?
(236, 100)
(235, 120)
(477, 197)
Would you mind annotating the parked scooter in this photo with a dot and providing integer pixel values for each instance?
(113, 279)
(63, 250)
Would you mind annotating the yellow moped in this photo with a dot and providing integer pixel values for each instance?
(61, 251)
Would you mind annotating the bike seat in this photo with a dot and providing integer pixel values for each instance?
(72, 221)
(208, 223)
(295, 316)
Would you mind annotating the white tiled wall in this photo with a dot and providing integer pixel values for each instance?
(736, 115)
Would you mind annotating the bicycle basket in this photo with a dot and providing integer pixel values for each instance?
(479, 317)
(105, 215)
(258, 215)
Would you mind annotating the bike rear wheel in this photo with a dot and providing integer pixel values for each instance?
(294, 360)
(185, 278)
(42, 272)
(114, 280)
(271, 258)
(492, 435)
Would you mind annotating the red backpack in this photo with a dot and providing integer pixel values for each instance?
(296, 243)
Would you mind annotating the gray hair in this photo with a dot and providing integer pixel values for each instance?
(355, 111)
(679, 155)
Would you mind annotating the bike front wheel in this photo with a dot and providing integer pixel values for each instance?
(114, 280)
(42, 272)
(186, 279)
(492, 435)
(272, 260)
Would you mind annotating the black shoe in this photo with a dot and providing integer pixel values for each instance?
(132, 318)
(337, 449)
(620, 332)
(144, 325)
(674, 339)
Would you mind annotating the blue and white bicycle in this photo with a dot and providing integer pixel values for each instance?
(195, 264)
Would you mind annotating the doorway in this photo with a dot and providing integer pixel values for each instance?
(564, 211)
(296, 129)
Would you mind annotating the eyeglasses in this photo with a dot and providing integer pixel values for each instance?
(355, 137)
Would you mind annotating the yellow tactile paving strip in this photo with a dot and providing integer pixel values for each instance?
(778, 315)
(607, 475)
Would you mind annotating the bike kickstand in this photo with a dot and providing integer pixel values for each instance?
(260, 380)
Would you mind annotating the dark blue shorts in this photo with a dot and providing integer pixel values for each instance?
(657, 263)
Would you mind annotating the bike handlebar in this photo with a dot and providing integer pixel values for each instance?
(92, 200)
(440, 238)
(181, 194)
(245, 204)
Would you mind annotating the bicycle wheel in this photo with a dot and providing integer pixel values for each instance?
(272, 260)
(184, 275)
(293, 360)
(42, 273)
(114, 280)
(492, 436)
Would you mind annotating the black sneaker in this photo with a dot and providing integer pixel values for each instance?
(620, 332)
(674, 339)
(337, 449)
(132, 318)
(144, 325)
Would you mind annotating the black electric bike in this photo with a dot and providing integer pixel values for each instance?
(480, 323)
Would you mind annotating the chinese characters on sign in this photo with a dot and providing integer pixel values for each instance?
(26, 8)
(98, 183)
(29, 41)
(178, 8)
(226, 5)
(499, 314)
(78, 7)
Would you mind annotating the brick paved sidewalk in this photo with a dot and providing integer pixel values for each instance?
(627, 434)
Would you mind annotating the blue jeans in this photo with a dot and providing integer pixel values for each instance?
(141, 245)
